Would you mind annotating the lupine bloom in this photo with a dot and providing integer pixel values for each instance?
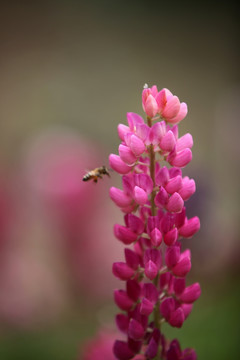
(153, 195)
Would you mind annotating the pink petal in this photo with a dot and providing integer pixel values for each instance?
(168, 142)
(190, 227)
(161, 199)
(182, 268)
(174, 184)
(177, 318)
(137, 145)
(156, 237)
(157, 131)
(175, 203)
(172, 108)
(161, 99)
(185, 141)
(140, 196)
(134, 119)
(172, 256)
(127, 155)
(122, 130)
(181, 114)
(171, 237)
(122, 271)
(118, 165)
(122, 300)
(188, 188)
(162, 176)
(124, 234)
(191, 293)
(181, 159)
(119, 197)
(151, 106)
(135, 223)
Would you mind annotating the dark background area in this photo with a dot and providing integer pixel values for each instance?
(70, 70)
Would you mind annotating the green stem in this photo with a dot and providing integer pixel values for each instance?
(156, 313)
(152, 171)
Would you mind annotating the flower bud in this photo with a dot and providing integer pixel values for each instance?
(119, 197)
(122, 351)
(151, 270)
(132, 259)
(180, 218)
(172, 256)
(190, 227)
(152, 348)
(146, 307)
(172, 108)
(188, 188)
(134, 223)
(191, 293)
(150, 292)
(134, 119)
(140, 195)
(179, 286)
(174, 351)
(118, 165)
(182, 267)
(167, 222)
(156, 237)
(171, 237)
(181, 158)
(161, 198)
(122, 271)
(151, 106)
(175, 203)
(167, 307)
(133, 289)
(181, 114)
(161, 99)
(144, 181)
(157, 132)
(186, 141)
(127, 155)
(124, 234)
(177, 318)
(122, 130)
(135, 330)
(168, 141)
(165, 280)
(174, 184)
(134, 345)
(122, 322)
(122, 300)
(136, 145)
(162, 176)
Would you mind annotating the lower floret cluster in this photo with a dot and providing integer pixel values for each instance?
(155, 222)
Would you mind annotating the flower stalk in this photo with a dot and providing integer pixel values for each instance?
(152, 200)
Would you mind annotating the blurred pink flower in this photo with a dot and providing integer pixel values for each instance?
(100, 348)
(50, 226)
(79, 211)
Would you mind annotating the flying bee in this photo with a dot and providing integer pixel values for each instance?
(96, 174)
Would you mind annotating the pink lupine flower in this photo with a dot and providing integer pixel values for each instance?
(152, 198)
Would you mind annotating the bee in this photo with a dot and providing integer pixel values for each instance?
(96, 174)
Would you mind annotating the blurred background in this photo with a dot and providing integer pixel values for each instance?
(70, 70)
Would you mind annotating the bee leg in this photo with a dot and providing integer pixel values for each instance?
(95, 180)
